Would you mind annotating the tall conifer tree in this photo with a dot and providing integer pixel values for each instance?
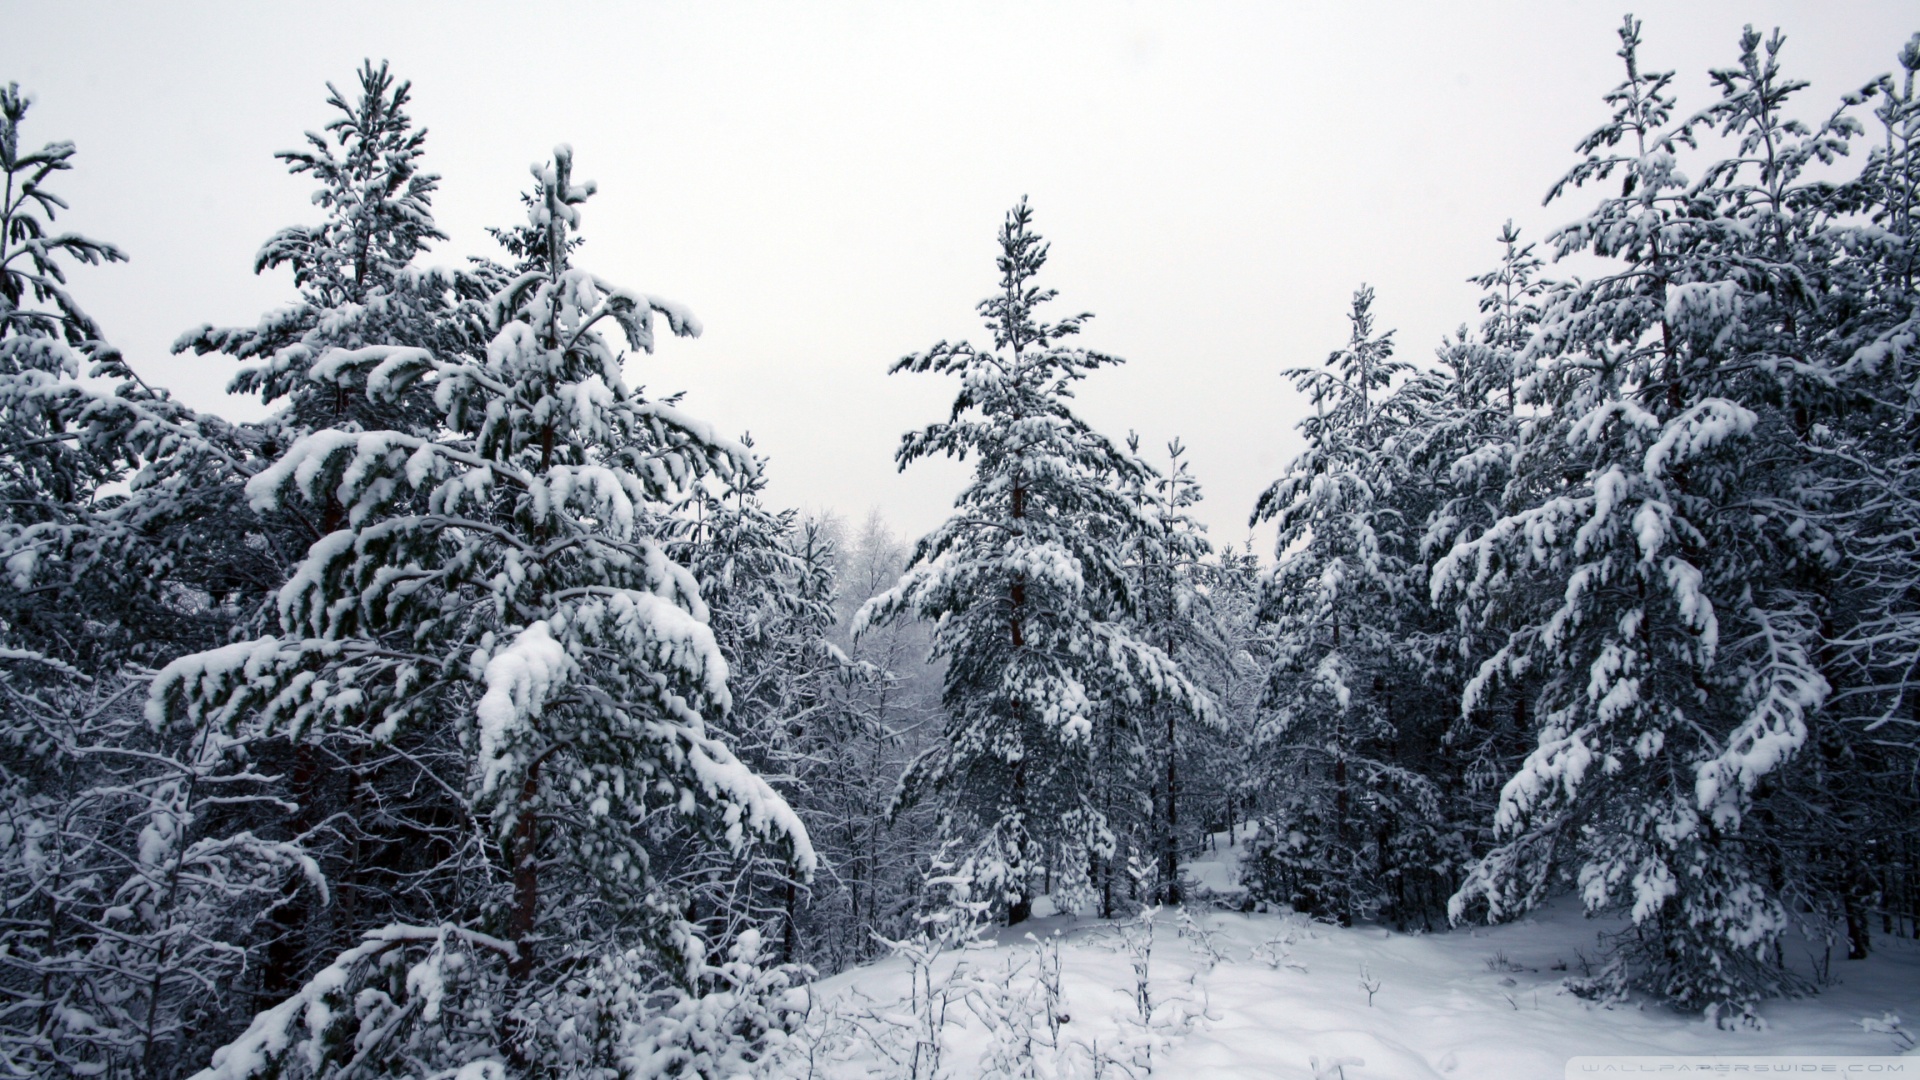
(1028, 591)
(504, 575)
(1677, 638)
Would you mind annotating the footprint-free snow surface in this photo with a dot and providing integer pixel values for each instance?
(1277, 996)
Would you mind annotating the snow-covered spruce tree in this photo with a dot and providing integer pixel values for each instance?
(1027, 586)
(1354, 817)
(1678, 647)
(503, 576)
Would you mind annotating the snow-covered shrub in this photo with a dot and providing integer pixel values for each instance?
(734, 1018)
(1277, 950)
(1889, 1023)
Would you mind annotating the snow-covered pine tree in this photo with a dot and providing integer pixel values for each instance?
(128, 873)
(1354, 817)
(357, 287)
(132, 879)
(1227, 780)
(1678, 645)
(1468, 421)
(49, 476)
(1867, 450)
(504, 575)
(1135, 768)
(353, 270)
(1165, 555)
(398, 837)
(1029, 594)
(768, 579)
(1859, 780)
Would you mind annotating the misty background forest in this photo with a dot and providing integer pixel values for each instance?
(478, 713)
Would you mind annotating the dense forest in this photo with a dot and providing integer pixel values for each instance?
(475, 715)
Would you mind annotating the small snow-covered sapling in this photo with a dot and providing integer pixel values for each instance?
(1138, 942)
(1203, 940)
(1335, 1068)
(1277, 951)
(1889, 1024)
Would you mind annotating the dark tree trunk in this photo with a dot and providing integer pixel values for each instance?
(526, 876)
(791, 942)
(1172, 852)
(1856, 899)
(1340, 834)
(1021, 908)
(286, 954)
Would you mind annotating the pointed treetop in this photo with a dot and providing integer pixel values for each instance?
(378, 202)
(1011, 314)
(26, 220)
(554, 211)
(1642, 105)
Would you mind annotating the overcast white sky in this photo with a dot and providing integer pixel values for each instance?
(821, 182)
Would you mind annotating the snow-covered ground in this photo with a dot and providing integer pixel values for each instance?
(1289, 998)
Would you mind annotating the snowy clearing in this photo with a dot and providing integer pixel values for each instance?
(1289, 999)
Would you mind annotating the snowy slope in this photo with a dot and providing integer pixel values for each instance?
(1473, 1002)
